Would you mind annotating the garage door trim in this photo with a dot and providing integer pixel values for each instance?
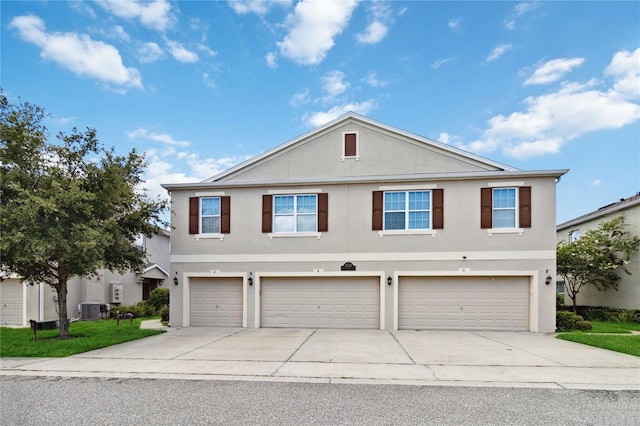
(533, 287)
(338, 274)
(186, 293)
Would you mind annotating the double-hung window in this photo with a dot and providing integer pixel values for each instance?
(407, 210)
(210, 215)
(504, 208)
(295, 213)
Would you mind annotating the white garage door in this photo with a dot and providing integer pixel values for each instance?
(11, 302)
(216, 302)
(475, 303)
(343, 302)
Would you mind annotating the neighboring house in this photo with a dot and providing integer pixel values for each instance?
(628, 294)
(21, 301)
(357, 224)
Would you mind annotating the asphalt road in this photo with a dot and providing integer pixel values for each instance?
(95, 401)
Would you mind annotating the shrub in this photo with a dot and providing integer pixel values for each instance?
(560, 302)
(582, 325)
(164, 313)
(627, 315)
(158, 298)
(565, 320)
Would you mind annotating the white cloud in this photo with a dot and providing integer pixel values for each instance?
(498, 51)
(180, 53)
(155, 14)
(257, 7)
(378, 28)
(454, 24)
(312, 28)
(78, 53)
(372, 80)
(551, 120)
(596, 182)
(510, 24)
(319, 118)
(440, 62)
(522, 8)
(553, 70)
(300, 98)
(334, 84)
(163, 138)
(149, 52)
(272, 60)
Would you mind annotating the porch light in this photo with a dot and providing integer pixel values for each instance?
(250, 280)
(548, 280)
(389, 280)
(175, 279)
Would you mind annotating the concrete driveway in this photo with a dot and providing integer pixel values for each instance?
(430, 358)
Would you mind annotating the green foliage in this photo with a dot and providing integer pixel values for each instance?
(85, 336)
(140, 309)
(559, 302)
(628, 315)
(158, 298)
(582, 325)
(625, 344)
(164, 313)
(596, 258)
(68, 207)
(565, 320)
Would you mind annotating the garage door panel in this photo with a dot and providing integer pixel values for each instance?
(216, 302)
(11, 298)
(487, 303)
(320, 302)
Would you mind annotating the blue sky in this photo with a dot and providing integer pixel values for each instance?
(201, 85)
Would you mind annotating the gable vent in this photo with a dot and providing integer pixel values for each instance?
(350, 145)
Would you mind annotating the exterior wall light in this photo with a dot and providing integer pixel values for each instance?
(389, 280)
(250, 280)
(175, 279)
(549, 278)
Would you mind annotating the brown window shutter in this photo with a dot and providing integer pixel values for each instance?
(486, 207)
(323, 212)
(267, 212)
(194, 215)
(225, 215)
(350, 145)
(524, 199)
(438, 208)
(376, 219)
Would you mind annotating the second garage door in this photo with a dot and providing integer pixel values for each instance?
(216, 302)
(469, 303)
(11, 298)
(305, 302)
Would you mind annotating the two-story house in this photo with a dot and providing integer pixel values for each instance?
(357, 224)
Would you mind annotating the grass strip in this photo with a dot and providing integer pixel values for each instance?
(84, 336)
(624, 344)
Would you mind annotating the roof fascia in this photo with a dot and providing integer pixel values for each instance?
(598, 214)
(373, 179)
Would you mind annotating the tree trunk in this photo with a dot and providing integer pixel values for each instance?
(62, 308)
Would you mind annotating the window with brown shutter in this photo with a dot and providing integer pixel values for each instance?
(350, 145)
(524, 198)
(377, 212)
(194, 215)
(486, 208)
(438, 208)
(267, 212)
(225, 215)
(323, 212)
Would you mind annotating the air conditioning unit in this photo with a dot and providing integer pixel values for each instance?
(89, 311)
(117, 293)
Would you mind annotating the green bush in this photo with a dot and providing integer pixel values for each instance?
(164, 313)
(582, 325)
(158, 298)
(627, 315)
(560, 302)
(139, 310)
(565, 320)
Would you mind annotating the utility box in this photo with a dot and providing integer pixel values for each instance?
(117, 293)
(89, 311)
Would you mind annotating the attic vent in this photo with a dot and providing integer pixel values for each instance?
(350, 145)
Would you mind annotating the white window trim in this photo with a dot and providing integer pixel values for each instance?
(294, 214)
(509, 230)
(212, 236)
(200, 216)
(407, 230)
(355, 157)
(390, 232)
(273, 235)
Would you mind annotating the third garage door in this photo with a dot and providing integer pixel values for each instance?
(466, 303)
(306, 302)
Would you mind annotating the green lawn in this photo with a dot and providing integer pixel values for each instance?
(85, 336)
(614, 336)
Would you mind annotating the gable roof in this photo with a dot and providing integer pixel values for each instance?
(351, 116)
(623, 204)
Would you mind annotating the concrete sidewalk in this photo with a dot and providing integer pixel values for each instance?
(425, 358)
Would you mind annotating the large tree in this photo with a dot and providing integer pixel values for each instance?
(69, 207)
(596, 258)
